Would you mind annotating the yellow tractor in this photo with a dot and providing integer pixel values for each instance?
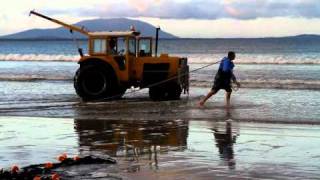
(117, 61)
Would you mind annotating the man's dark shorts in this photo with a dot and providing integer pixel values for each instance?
(222, 80)
(216, 88)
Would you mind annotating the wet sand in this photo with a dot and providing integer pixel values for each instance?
(162, 140)
(166, 149)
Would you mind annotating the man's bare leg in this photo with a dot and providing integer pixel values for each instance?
(228, 97)
(211, 93)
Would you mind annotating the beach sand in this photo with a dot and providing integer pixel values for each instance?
(262, 136)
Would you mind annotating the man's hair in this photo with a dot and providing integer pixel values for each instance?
(231, 54)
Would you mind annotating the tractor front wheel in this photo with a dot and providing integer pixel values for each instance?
(94, 82)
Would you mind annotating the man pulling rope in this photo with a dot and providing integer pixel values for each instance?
(223, 79)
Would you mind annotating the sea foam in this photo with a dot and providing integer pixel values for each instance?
(268, 84)
(38, 57)
(192, 58)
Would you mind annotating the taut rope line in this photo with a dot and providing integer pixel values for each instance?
(162, 82)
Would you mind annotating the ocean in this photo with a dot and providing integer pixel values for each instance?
(260, 63)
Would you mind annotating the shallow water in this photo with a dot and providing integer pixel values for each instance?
(58, 99)
(169, 148)
(268, 76)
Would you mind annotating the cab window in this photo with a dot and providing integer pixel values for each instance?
(112, 46)
(99, 46)
(132, 46)
(145, 48)
(122, 46)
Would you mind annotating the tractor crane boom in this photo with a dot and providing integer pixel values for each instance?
(68, 26)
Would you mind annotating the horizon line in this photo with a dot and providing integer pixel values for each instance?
(175, 38)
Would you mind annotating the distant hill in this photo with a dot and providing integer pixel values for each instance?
(297, 37)
(306, 36)
(115, 24)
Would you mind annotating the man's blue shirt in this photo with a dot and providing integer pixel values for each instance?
(226, 65)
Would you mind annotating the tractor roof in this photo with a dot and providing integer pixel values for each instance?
(115, 33)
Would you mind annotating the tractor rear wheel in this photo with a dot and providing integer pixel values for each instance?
(170, 91)
(174, 91)
(95, 82)
(157, 93)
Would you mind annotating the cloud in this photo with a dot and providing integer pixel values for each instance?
(3, 18)
(198, 9)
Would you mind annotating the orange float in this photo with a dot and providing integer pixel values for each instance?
(55, 176)
(76, 158)
(14, 169)
(62, 157)
(48, 165)
(37, 178)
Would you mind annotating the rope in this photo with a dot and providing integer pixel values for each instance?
(234, 86)
(161, 82)
(76, 42)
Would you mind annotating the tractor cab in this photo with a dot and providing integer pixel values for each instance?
(124, 51)
(119, 44)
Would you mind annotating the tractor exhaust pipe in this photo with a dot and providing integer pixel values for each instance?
(157, 40)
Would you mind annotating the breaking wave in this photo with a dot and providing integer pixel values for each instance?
(269, 84)
(193, 58)
(247, 83)
(38, 57)
(255, 59)
(34, 78)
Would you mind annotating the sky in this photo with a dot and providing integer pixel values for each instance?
(184, 18)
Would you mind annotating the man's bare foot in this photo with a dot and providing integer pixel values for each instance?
(201, 103)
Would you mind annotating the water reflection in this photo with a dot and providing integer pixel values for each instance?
(225, 139)
(131, 139)
(135, 140)
(177, 147)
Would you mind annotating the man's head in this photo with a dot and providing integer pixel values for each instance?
(231, 55)
(112, 43)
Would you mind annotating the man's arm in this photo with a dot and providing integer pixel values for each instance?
(234, 79)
